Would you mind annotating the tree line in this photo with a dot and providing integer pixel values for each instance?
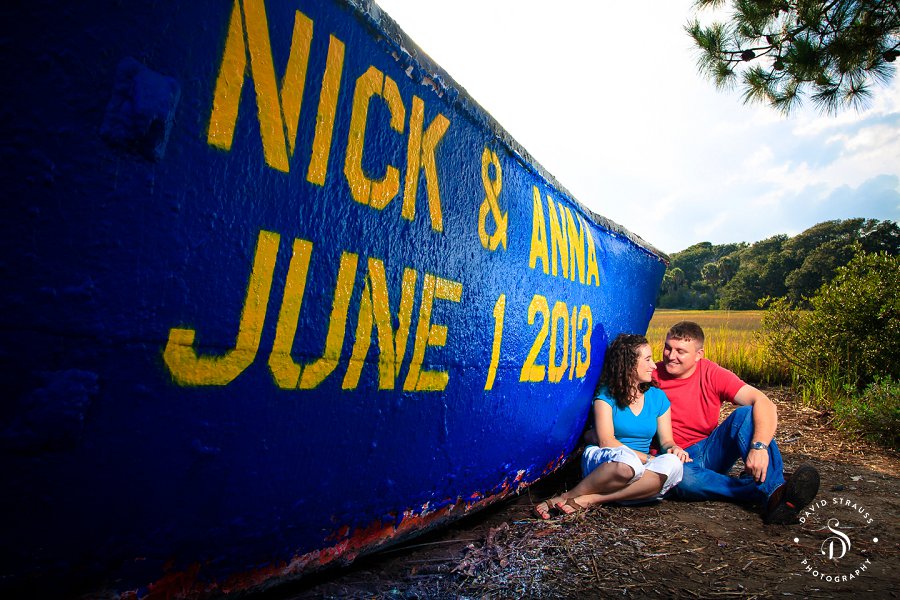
(738, 276)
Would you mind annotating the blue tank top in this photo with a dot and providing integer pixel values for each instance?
(636, 431)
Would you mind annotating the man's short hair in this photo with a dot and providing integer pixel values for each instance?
(687, 330)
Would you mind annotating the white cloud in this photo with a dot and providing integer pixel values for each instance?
(762, 157)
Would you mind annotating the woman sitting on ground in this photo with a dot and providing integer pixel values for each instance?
(628, 411)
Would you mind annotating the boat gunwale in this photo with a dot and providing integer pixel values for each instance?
(377, 19)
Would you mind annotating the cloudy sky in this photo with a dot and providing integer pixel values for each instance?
(606, 96)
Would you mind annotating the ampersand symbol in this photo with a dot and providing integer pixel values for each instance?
(492, 189)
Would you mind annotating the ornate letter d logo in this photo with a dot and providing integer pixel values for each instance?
(834, 543)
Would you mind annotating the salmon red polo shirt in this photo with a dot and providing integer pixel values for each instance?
(697, 400)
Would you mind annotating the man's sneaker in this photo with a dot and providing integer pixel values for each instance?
(792, 496)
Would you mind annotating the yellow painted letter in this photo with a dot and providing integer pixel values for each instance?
(576, 247)
(285, 371)
(559, 241)
(188, 368)
(559, 314)
(328, 98)
(420, 151)
(375, 309)
(499, 310)
(316, 372)
(428, 334)
(376, 194)
(531, 369)
(582, 364)
(278, 134)
(593, 272)
(538, 235)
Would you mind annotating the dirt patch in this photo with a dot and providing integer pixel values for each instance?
(669, 549)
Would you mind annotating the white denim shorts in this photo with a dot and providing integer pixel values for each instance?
(667, 465)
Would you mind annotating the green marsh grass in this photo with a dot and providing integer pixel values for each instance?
(731, 341)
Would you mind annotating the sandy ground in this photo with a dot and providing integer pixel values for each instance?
(847, 547)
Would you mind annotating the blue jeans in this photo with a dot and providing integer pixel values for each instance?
(706, 477)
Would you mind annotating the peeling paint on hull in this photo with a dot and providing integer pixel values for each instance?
(190, 584)
(277, 293)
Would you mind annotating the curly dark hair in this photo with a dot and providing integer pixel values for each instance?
(618, 368)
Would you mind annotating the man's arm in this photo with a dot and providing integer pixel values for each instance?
(765, 421)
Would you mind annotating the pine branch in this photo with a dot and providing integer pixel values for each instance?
(832, 48)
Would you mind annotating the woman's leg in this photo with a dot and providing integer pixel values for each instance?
(608, 470)
(607, 478)
(660, 474)
(670, 467)
(648, 486)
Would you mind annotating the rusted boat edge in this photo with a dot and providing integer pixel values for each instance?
(379, 535)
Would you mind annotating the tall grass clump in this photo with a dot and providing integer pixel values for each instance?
(844, 351)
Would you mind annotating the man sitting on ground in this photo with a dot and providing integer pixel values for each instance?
(696, 388)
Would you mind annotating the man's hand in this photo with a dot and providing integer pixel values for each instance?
(757, 463)
(765, 420)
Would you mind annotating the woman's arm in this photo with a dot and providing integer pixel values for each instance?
(603, 425)
(666, 439)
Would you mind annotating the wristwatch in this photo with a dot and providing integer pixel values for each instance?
(758, 446)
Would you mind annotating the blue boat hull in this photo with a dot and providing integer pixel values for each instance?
(277, 292)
